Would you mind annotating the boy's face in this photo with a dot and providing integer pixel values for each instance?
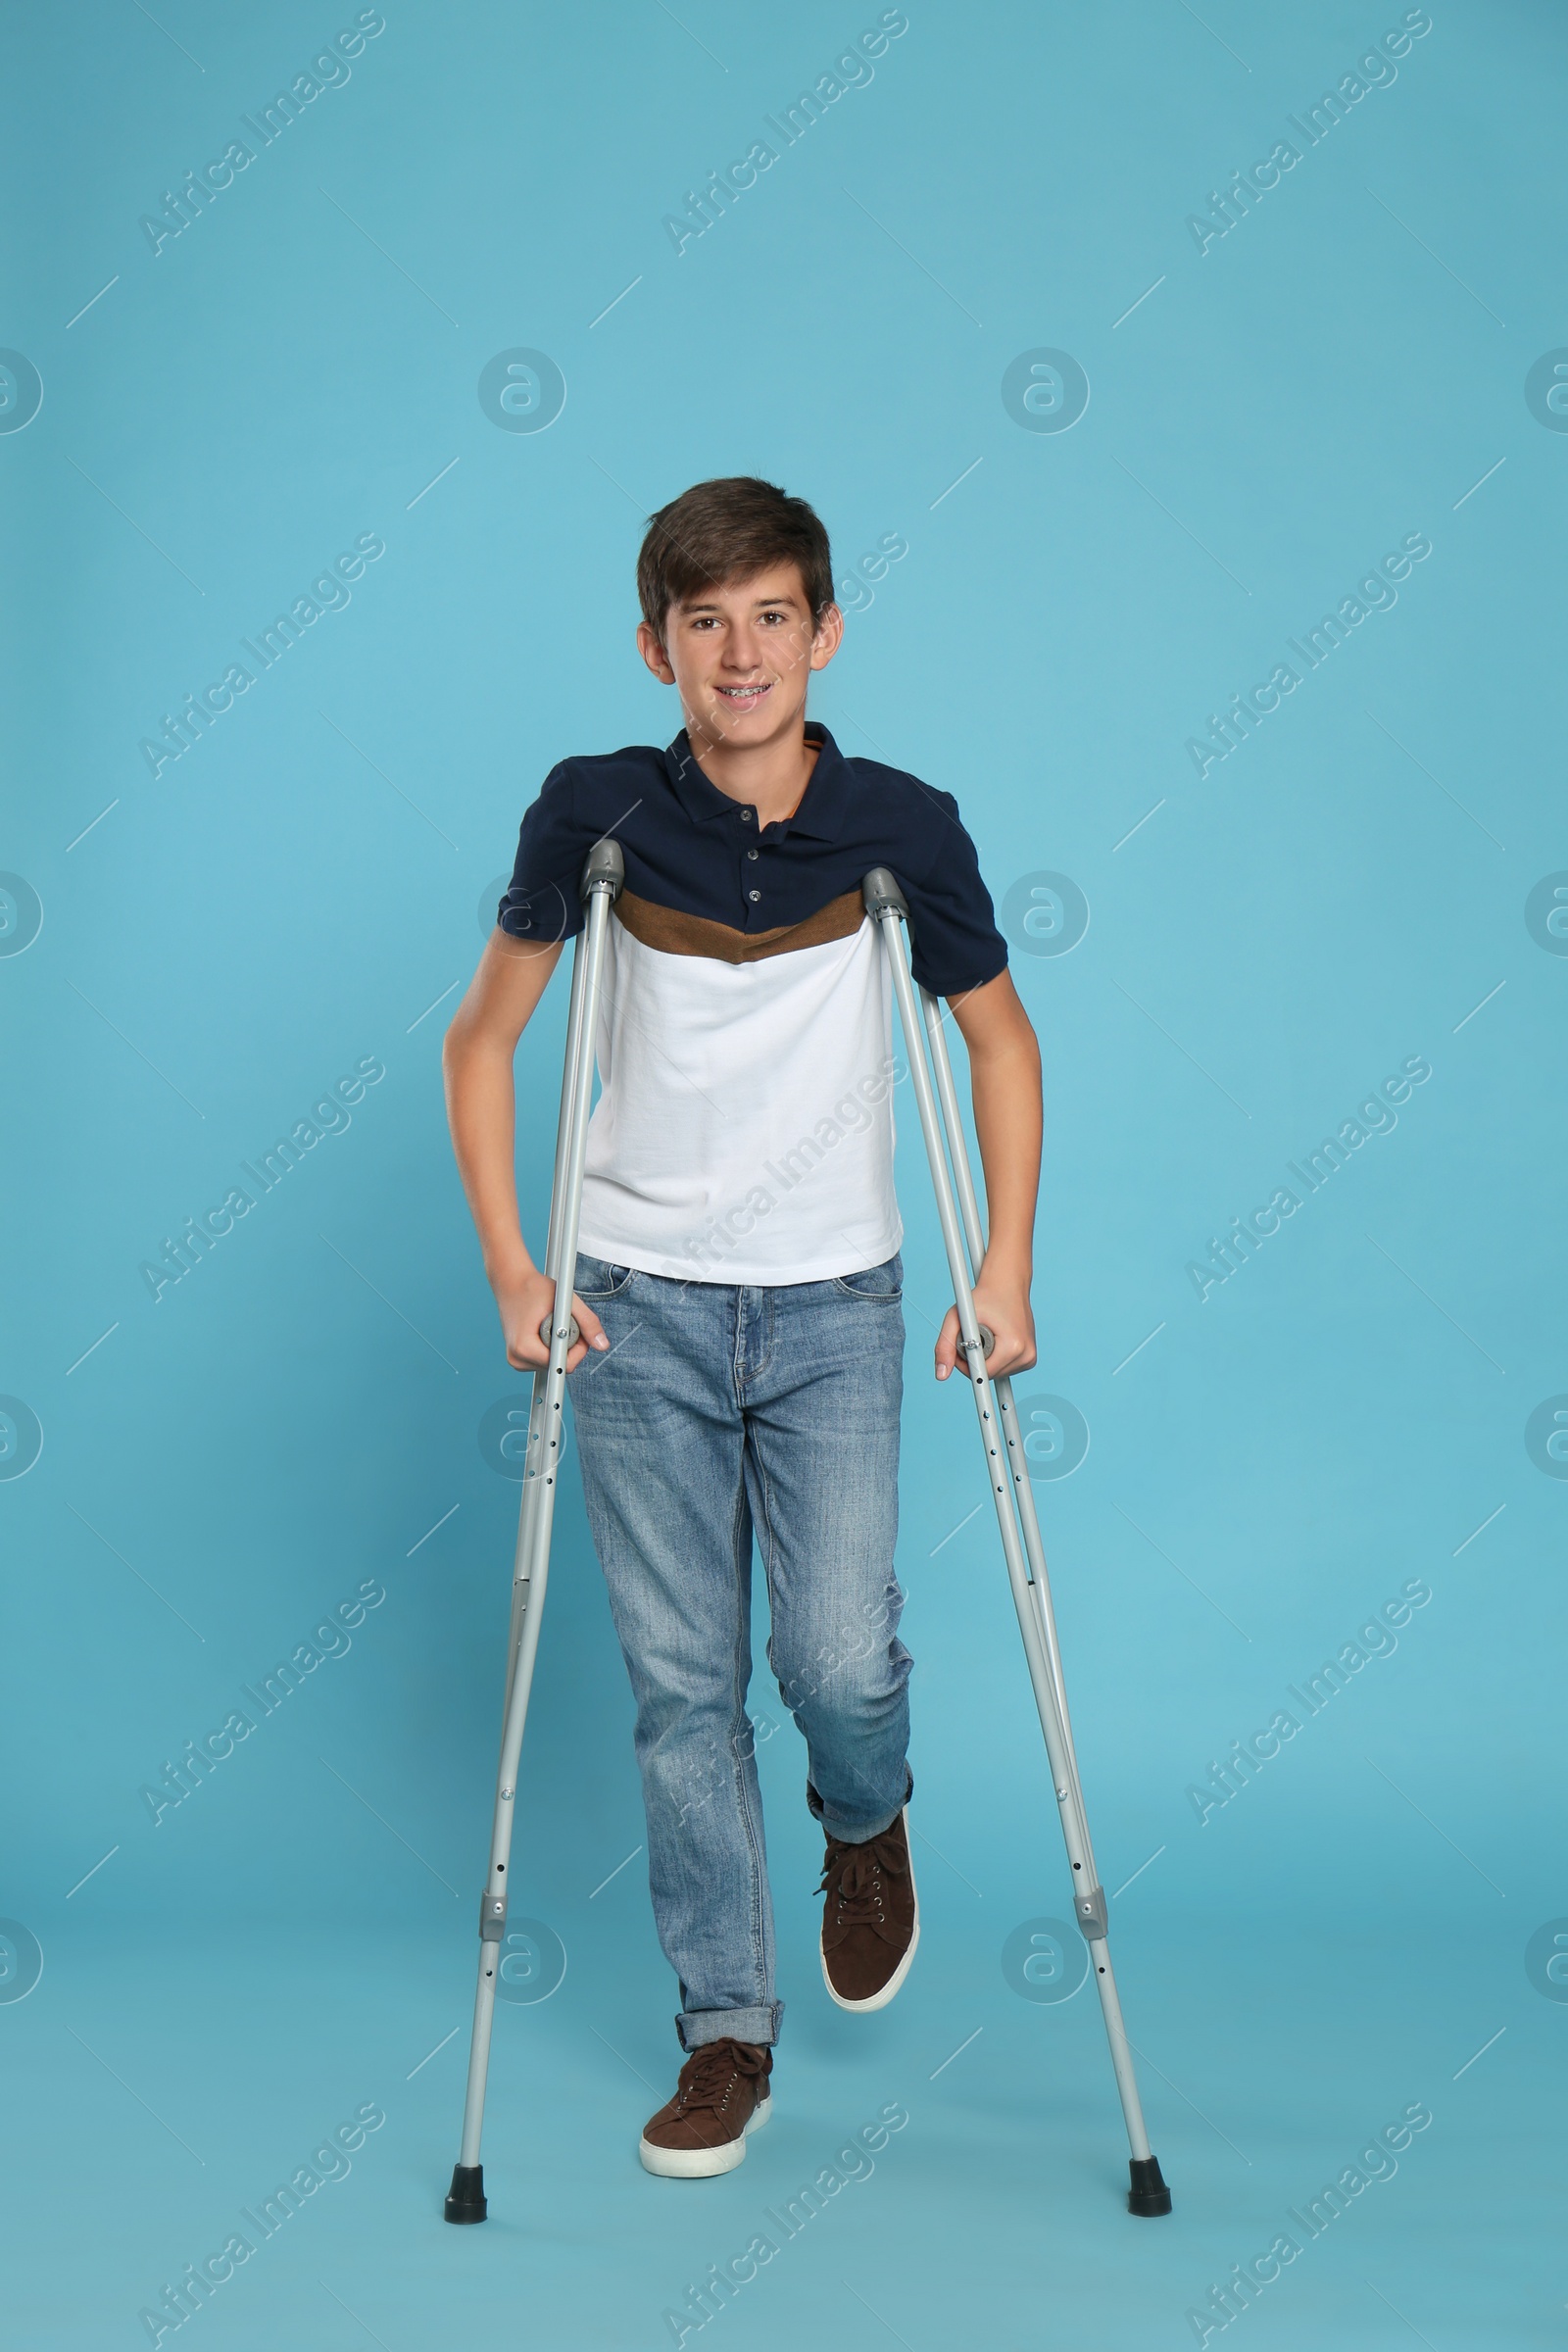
(741, 653)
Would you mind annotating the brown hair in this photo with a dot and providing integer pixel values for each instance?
(729, 529)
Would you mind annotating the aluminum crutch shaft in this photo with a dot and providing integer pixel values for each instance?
(523, 1549)
(975, 1239)
(963, 1241)
(600, 887)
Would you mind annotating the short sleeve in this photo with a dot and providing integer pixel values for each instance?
(955, 945)
(541, 904)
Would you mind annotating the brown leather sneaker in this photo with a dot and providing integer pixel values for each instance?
(871, 1919)
(722, 2094)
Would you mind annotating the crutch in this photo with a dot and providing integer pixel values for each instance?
(1012, 1492)
(600, 883)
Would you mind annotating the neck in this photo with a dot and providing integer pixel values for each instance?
(770, 778)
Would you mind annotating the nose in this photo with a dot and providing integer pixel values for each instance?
(743, 651)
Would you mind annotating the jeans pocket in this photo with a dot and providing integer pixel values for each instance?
(597, 1278)
(883, 1285)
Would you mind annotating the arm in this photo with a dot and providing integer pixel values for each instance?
(476, 1061)
(1005, 1076)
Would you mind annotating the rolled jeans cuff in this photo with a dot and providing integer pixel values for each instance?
(858, 1833)
(699, 2027)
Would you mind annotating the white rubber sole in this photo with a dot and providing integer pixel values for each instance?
(702, 2164)
(880, 2000)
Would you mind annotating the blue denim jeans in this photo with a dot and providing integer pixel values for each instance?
(725, 1413)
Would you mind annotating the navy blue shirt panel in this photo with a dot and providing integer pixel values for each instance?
(691, 848)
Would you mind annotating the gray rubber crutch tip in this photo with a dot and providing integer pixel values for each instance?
(1148, 2194)
(465, 2200)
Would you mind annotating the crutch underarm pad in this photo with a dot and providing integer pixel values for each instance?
(882, 895)
(603, 868)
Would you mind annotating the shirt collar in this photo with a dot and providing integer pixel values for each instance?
(823, 803)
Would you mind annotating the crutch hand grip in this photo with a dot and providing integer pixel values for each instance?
(576, 1334)
(988, 1340)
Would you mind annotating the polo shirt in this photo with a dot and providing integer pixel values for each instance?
(744, 1132)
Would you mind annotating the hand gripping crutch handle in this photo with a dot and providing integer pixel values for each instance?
(574, 1334)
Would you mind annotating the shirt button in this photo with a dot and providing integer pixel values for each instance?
(753, 896)
(745, 816)
(750, 853)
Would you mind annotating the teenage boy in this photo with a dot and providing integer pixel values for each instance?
(740, 1369)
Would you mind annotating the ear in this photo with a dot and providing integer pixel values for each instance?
(828, 638)
(654, 653)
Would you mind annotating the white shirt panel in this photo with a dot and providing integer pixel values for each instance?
(744, 1129)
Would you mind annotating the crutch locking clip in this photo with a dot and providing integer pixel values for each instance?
(1091, 1910)
(492, 1919)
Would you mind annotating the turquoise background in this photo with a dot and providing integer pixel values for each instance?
(300, 891)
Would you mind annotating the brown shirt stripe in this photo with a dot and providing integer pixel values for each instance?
(675, 934)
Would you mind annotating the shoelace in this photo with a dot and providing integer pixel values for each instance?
(851, 1873)
(707, 2074)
